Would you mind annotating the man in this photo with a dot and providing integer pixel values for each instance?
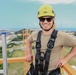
(46, 18)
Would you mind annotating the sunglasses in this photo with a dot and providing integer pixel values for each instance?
(48, 19)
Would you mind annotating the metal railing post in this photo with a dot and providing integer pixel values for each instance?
(4, 53)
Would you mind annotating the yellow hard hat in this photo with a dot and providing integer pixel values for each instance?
(45, 10)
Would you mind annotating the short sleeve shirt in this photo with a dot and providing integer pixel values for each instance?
(63, 39)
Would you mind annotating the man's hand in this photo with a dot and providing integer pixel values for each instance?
(29, 58)
(61, 62)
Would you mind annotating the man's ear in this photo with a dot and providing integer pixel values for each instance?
(54, 18)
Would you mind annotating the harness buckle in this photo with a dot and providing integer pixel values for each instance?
(50, 44)
(38, 45)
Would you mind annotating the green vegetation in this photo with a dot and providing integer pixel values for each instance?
(25, 31)
(0, 49)
(16, 68)
(18, 38)
(74, 33)
(10, 45)
(19, 32)
(73, 60)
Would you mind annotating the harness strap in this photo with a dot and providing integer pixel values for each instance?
(38, 59)
(50, 45)
(37, 56)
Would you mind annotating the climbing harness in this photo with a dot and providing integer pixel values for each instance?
(42, 62)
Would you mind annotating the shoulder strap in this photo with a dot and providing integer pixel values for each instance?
(52, 39)
(38, 47)
(38, 44)
(50, 45)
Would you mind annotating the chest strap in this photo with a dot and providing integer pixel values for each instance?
(50, 45)
(39, 60)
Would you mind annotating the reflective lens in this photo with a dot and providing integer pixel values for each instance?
(43, 19)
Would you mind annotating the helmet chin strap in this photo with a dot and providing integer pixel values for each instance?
(47, 29)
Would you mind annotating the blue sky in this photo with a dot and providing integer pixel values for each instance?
(23, 13)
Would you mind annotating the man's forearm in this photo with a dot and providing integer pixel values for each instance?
(28, 47)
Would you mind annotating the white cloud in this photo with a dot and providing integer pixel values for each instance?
(59, 1)
(51, 1)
